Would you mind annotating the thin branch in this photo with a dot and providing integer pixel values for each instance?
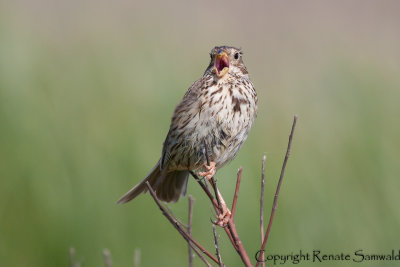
(238, 244)
(107, 258)
(271, 217)
(198, 253)
(136, 257)
(189, 228)
(262, 205)
(190, 232)
(177, 226)
(216, 246)
(235, 196)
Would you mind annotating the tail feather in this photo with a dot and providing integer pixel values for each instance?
(152, 178)
(169, 186)
(173, 186)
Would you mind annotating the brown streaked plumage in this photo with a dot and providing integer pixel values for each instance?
(216, 114)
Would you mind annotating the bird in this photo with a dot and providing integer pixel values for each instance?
(210, 124)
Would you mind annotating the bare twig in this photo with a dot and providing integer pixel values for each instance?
(271, 217)
(262, 205)
(238, 244)
(136, 257)
(235, 196)
(216, 246)
(107, 258)
(189, 228)
(177, 226)
(201, 256)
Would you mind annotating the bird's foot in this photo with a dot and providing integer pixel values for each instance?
(224, 216)
(211, 170)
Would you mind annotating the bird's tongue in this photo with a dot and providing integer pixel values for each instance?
(221, 63)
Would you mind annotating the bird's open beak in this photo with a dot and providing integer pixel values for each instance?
(221, 64)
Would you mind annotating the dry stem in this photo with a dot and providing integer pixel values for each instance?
(236, 194)
(216, 246)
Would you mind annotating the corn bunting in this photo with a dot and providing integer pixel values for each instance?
(212, 120)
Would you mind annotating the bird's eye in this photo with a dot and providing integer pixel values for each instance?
(236, 55)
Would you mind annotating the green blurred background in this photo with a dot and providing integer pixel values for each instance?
(87, 89)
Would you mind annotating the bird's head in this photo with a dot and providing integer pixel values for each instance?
(226, 59)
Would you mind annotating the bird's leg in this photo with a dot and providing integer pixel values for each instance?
(211, 170)
(224, 212)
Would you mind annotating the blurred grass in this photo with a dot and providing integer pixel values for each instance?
(85, 103)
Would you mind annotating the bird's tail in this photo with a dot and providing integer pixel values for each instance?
(169, 186)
